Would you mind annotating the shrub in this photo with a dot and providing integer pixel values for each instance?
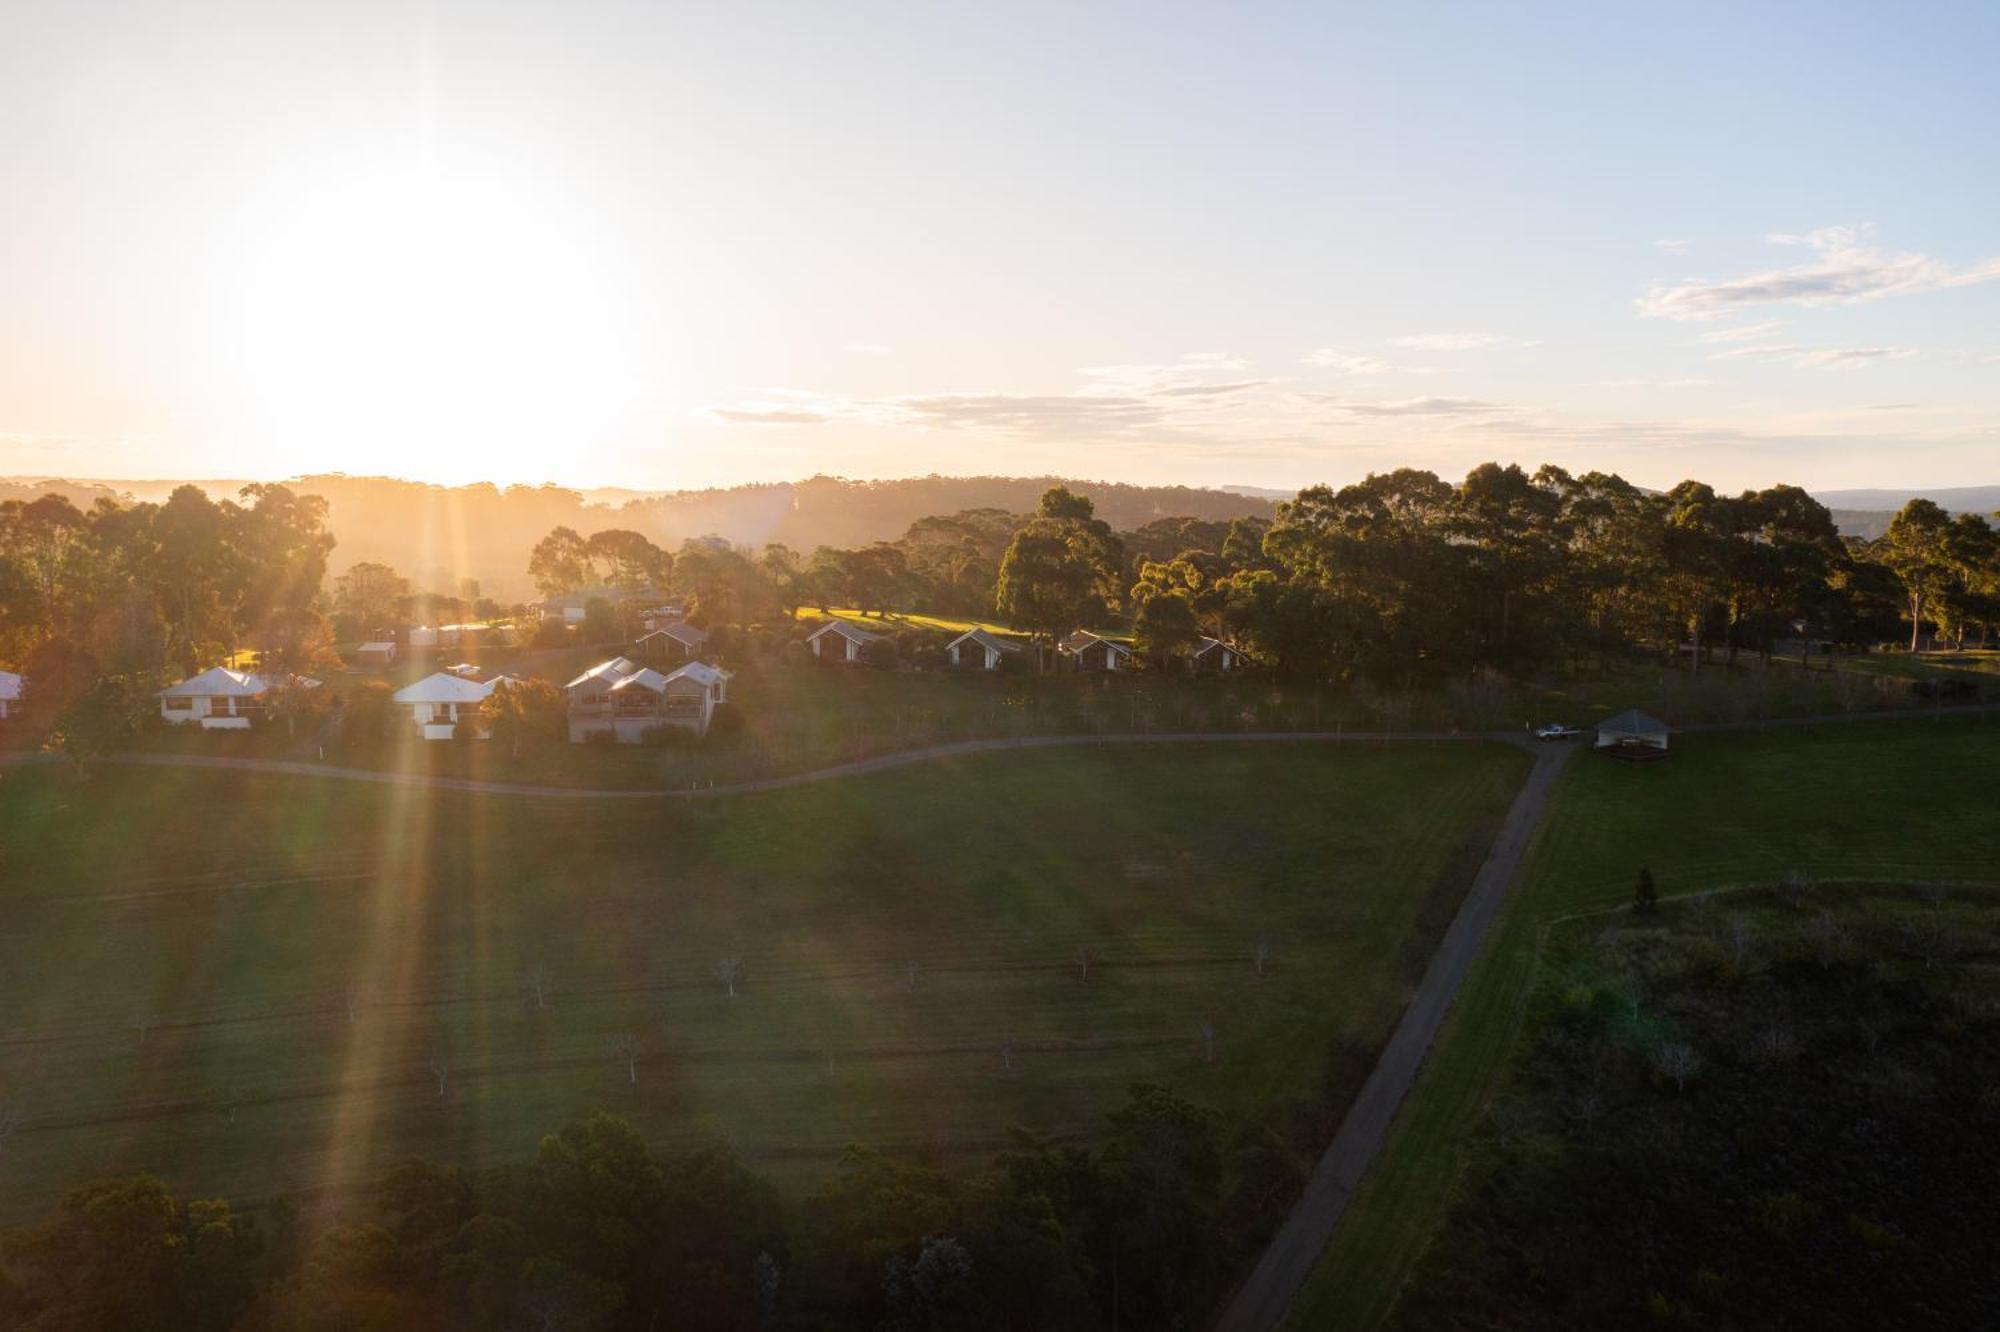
(726, 720)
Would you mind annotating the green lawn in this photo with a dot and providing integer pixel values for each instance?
(177, 949)
(1879, 802)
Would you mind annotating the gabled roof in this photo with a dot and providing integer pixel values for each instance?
(1083, 639)
(443, 688)
(985, 640)
(681, 632)
(383, 646)
(647, 678)
(615, 669)
(701, 673)
(1633, 722)
(10, 687)
(852, 633)
(219, 682)
(1208, 644)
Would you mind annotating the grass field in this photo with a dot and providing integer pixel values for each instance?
(253, 985)
(1880, 802)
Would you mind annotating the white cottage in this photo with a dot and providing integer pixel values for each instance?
(220, 699)
(837, 640)
(439, 704)
(975, 649)
(640, 700)
(10, 694)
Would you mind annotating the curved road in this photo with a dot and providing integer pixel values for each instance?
(904, 757)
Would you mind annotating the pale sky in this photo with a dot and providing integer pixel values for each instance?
(667, 245)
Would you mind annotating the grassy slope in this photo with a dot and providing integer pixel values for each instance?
(234, 911)
(1881, 800)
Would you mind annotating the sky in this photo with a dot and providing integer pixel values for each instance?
(680, 245)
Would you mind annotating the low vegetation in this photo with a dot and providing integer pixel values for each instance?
(1841, 806)
(1759, 1109)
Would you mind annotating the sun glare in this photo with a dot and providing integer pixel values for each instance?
(452, 328)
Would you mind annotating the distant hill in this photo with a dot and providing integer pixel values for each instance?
(1959, 499)
(1866, 513)
(441, 535)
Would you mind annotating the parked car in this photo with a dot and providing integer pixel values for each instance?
(1556, 731)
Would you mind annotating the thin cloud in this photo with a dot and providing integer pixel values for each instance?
(779, 416)
(1847, 271)
(870, 349)
(1212, 390)
(1686, 382)
(1459, 341)
(1028, 413)
(1354, 363)
(1408, 406)
(1744, 333)
(1813, 358)
(1676, 246)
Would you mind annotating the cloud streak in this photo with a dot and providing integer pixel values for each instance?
(1816, 358)
(1459, 341)
(1355, 363)
(1407, 406)
(1847, 271)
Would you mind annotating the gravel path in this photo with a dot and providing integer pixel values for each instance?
(1265, 1296)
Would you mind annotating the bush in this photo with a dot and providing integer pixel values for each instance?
(881, 655)
(726, 720)
(550, 633)
(666, 737)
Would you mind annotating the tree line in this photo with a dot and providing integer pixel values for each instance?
(600, 1233)
(1402, 578)
(104, 602)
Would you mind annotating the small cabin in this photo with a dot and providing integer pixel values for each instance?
(1086, 651)
(381, 653)
(977, 650)
(1212, 656)
(672, 641)
(839, 641)
(10, 694)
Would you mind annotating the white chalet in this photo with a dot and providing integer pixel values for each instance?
(220, 699)
(10, 694)
(976, 649)
(610, 699)
(837, 640)
(439, 704)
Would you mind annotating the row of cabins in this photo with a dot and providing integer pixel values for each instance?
(976, 649)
